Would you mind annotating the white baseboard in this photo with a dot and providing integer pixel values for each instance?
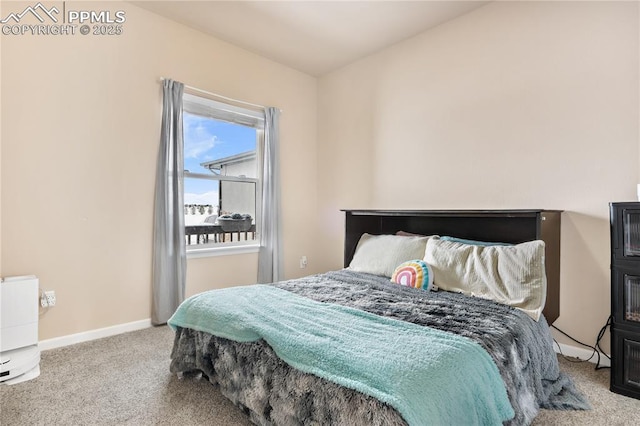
(582, 353)
(72, 339)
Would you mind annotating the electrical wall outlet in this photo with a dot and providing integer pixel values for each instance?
(50, 297)
(303, 262)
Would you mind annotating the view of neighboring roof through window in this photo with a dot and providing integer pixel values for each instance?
(222, 148)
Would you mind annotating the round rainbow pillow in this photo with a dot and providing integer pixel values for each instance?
(414, 273)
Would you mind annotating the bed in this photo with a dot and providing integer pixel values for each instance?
(350, 347)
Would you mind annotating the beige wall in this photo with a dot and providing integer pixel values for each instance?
(1, 38)
(515, 105)
(80, 133)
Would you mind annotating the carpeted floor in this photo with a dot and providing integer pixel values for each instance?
(609, 408)
(125, 380)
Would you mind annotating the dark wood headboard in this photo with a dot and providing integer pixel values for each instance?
(507, 226)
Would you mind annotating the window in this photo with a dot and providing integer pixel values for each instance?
(222, 168)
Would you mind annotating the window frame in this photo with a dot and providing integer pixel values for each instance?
(196, 104)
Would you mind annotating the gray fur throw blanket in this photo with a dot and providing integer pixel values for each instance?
(273, 393)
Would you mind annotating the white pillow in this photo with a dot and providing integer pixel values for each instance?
(381, 254)
(511, 275)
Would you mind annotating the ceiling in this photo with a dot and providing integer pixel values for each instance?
(315, 37)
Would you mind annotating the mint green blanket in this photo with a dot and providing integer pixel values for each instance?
(429, 376)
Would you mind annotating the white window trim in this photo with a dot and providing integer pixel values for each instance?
(220, 177)
(196, 253)
(205, 107)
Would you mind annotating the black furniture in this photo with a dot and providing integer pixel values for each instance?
(204, 230)
(625, 298)
(507, 226)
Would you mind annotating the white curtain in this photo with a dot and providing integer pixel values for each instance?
(169, 251)
(269, 259)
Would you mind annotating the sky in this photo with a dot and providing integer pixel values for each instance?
(206, 139)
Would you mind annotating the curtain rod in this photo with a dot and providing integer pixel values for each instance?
(195, 89)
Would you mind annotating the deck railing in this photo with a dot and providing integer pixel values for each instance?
(211, 233)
